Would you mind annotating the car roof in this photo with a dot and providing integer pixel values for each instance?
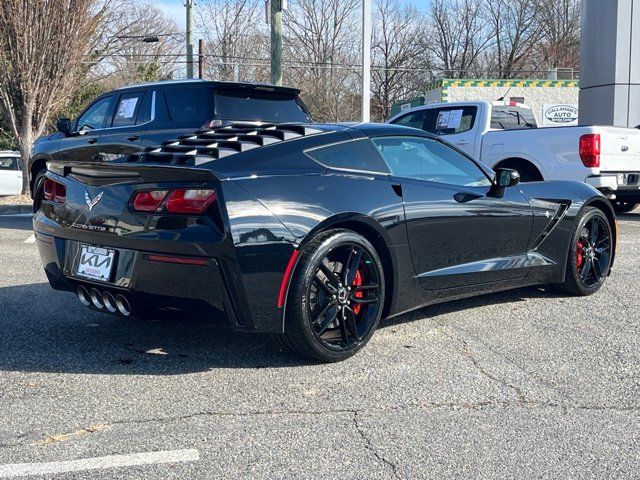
(255, 86)
(385, 129)
(9, 153)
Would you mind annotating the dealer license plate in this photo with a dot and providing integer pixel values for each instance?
(95, 263)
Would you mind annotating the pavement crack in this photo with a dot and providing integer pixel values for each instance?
(466, 352)
(369, 446)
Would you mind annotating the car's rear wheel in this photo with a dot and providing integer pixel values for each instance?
(621, 206)
(335, 298)
(590, 253)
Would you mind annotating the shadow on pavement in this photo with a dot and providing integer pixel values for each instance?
(48, 331)
(629, 217)
(16, 223)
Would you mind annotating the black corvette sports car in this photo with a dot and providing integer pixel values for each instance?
(311, 232)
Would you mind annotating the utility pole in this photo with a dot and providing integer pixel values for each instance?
(189, 5)
(366, 60)
(277, 6)
(200, 58)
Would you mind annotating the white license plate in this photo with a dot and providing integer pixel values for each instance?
(95, 263)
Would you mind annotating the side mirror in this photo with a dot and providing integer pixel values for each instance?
(64, 126)
(505, 178)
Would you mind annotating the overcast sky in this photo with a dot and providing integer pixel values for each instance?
(175, 8)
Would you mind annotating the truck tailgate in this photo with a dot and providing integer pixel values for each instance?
(620, 149)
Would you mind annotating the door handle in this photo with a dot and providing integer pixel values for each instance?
(462, 142)
(133, 138)
(93, 140)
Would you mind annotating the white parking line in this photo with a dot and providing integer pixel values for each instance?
(98, 463)
(31, 239)
(17, 215)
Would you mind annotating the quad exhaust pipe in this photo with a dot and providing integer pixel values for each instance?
(92, 297)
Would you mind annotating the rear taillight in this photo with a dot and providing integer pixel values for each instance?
(54, 191)
(590, 150)
(182, 200)
(190, 201)
(149, 201)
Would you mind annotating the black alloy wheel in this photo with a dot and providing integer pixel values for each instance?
(336, 297)
(590, 254)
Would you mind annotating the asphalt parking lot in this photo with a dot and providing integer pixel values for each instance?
(524, 384)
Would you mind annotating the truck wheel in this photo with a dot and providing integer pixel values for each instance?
(590, 253)
(527, 171)
(335, 299)
(623, 207)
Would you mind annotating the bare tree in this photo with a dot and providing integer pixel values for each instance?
(236, 38)
(121, 52)
(322, 49)
(41, 58)
(559, 44)
(457, 36)
(399, 68)
(515, 30)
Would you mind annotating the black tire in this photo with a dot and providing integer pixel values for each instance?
(331, 316)
(37, 189)
(590, 253)
(621, 206)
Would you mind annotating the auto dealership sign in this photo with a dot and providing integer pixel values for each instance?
(559, 115)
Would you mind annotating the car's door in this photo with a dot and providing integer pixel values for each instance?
(10, 176)
(126, 127)
(83, 142)
(459, 232)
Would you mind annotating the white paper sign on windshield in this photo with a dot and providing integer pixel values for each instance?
(455, 119)
(127, 108)
(443, 119)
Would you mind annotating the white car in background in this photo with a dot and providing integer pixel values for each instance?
(10, 173)
(506, 135)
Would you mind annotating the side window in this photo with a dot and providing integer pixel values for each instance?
(128, 109)
(9, 163)
(430, 160)
(512, 118)
(450, 120)
(95, 116)
(190, 103)
(358, 155)
(415, 119)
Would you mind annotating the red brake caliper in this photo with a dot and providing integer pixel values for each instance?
(357, 281)
(579, 255)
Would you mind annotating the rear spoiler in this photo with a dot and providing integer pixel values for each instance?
(105, 173)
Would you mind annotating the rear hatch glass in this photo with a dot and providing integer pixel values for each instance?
(258, 106)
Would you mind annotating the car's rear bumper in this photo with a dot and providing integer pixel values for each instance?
(626, 183)
(151, 287)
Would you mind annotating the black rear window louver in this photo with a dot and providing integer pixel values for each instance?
(209, 144)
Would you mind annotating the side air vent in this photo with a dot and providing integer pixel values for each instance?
(213, 143)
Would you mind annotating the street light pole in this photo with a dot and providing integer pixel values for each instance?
(189, 5)
(366, 60)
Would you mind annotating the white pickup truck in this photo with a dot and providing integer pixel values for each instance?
(10, 173)
(505, 134)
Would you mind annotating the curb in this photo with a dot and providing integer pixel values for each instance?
(15, 209)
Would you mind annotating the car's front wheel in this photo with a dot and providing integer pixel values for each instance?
(335, 298)
(590, 253)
